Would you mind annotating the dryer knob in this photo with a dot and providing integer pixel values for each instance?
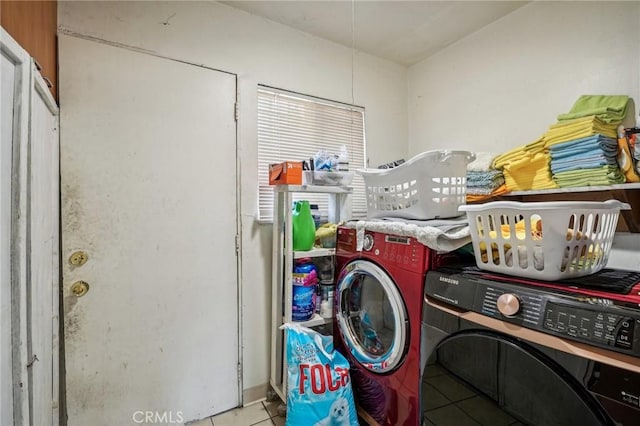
(508, 304)
(367, 244)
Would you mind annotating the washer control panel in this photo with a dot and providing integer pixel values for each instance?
(595, 321)
(396, 251)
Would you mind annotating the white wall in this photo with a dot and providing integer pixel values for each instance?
(504, 85)
(258, 51)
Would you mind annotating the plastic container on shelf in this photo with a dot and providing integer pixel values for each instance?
(428, 186)
(328, 241)
(325, 269)
(326, 299)
(330, 178)
(543, 240)
(315, 214)
(305, 281)
(326, 235)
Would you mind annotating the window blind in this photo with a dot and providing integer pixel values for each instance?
(294, 127)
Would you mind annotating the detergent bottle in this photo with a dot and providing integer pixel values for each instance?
(304, 228)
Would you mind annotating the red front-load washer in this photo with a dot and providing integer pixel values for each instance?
(378, 310)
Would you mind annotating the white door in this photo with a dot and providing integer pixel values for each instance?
(7, 73)
(44, 271)
(148, 164)
(29, 224)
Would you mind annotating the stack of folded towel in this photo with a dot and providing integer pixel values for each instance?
(526, 167)
(583, 145)
(610, 109)
(586, 161)
(579, 150)
(484, 181)
(564, 131)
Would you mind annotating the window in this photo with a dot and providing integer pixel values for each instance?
(294, 127)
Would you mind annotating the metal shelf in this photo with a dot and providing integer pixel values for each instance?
(315, 252)
(315, 321)
(282, 268)
(324, 189)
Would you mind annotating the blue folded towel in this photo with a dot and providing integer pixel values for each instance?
(596, 153)
(587, 144)
(581, 164)
(489, 177)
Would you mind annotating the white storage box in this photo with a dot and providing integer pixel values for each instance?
(320, 177)
(543, 240)
(428, 186)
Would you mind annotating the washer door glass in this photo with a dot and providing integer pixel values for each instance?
(371, 316)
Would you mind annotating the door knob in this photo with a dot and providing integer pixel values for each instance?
(78, 258)
(80, 288)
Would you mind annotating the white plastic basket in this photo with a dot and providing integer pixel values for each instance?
(553, 240)
(428, 186)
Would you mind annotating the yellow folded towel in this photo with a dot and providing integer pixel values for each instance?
(575, 129)
(529, 172)
(519, 154)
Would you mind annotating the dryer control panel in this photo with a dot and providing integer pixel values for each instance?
(603, 327)
(595, 321)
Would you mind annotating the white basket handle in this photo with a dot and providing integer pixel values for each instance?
(440, 155)
(618, 204)
(445, 155)
(545, 205)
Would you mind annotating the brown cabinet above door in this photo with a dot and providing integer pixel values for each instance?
(33, 24)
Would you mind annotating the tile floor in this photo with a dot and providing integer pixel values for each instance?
(446, 400)
(257, 414)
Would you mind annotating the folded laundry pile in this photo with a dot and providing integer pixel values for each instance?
(564, 131)
(483, 180)
(586, 161)
(611, 109)
(581, 149)
(526, 167)
(583, 145)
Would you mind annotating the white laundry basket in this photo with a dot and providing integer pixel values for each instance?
(428, 186)
(543, 240)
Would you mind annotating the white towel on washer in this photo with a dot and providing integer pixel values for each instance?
(438, 234)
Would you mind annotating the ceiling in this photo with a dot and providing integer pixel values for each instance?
(405, 32)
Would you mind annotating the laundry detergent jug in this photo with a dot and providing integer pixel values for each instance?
(304, 228)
